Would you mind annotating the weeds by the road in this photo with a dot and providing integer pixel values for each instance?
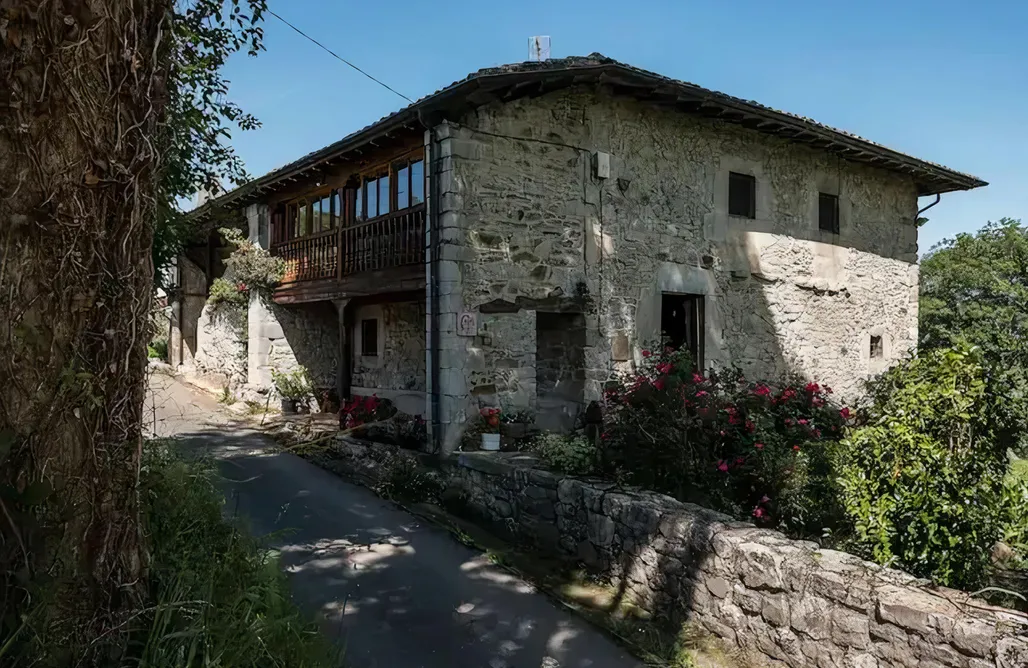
(220, 599)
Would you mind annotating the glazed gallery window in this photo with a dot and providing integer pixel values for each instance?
(399, 188)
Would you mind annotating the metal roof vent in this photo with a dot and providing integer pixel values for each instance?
(539, 48)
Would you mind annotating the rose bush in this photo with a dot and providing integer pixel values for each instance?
(750, 449)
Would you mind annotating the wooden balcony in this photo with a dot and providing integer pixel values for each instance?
(376, 256)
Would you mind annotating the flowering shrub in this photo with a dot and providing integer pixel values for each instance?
(252, 267)
(491, 417)
(360, 411)
(747, 448)
(225, 293)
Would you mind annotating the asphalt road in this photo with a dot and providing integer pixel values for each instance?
(396, 591)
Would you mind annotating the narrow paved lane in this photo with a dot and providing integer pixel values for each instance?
(398, 592)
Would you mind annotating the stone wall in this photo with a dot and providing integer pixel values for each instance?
(221, 346)
(776, 599)
(399, 362)
(527, 227)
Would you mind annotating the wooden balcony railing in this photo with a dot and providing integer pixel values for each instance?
(388, 241)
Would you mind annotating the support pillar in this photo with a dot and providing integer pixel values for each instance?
(344, 376)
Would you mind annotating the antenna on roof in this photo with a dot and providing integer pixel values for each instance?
(539, 48)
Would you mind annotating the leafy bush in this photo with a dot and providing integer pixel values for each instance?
(742, 447)
(220, 599)
(295, 384)
(157, 349)
(922, 477)
(407, 481)
(225, 293)
(252, 267)
(573, 455)
(411, 431)
(1015, 519)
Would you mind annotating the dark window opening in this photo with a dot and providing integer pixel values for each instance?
(742, 195)
(828, 212)
(877, 349)
(403, 187)
(369, 337)
(681, 324)
(417, 182)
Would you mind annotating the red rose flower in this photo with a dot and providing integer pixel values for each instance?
(646, 353)
(758, 446)
(844, 413)
(813, 388)
(722, 466)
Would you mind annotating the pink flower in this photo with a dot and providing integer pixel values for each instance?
(722, 432)
(788, 422)
(803, 421)
(739, 461)
(758, 512)
(844, 413)
(812, 388)
(722, 466)
(701, 393)
(664, 367)
(750, 427)
(818, 402)
(762, 390)
(658, 384)
(795, 448)
(604, 436)
(646, 353)
(758, 446)
(697, 378)
(788, 393)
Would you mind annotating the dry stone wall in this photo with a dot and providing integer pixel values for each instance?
(221, 346)
(782, 601)
(526, 228)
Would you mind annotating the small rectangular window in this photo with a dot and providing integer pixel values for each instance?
(383, 195)
(371, 203)
(369, 337)
(402, 187)
(358, 209)
(877, 349)
(681, 324)
(742, 195)
(417, 182)
(337, 208)
(828, 212)
(303, 223)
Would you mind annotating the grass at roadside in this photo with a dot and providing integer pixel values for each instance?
(219, 597)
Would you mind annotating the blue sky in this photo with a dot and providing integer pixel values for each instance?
(942, 80)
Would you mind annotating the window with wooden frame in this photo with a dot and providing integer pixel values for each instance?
(369, 337)
(828, 212)
(742, 195)
(400, 187)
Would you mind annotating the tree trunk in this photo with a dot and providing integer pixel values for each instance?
(81, 106)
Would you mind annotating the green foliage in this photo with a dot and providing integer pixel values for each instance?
(226, 294)
(158, 349)
(1015, 518)
(407, 481)
(922, 477)
(746, 448)
(252, 267)
(220, 599)
(573, 455)
(194, 141)
(295, 384)
(974, 291)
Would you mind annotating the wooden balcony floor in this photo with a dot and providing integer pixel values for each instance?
(363, 284)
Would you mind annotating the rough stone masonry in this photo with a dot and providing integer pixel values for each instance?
(783, 601)
(528, 228)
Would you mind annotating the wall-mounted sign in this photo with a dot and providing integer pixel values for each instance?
(467, 323)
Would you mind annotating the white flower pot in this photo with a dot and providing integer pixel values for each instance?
(490, 442)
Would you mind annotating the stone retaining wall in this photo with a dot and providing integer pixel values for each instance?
(786, 600)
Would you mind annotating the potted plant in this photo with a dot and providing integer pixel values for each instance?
(517, 425)
(293, 387)
(491, 433)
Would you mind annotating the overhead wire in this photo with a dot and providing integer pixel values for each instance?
(340, 58)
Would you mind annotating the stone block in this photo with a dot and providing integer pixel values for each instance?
(718, 586)
(850, 629)
(775, 609)
(1012, 652)
(974, 637)
(600, 529)
(811, 615)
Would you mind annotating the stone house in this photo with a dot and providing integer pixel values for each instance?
(519, 236)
